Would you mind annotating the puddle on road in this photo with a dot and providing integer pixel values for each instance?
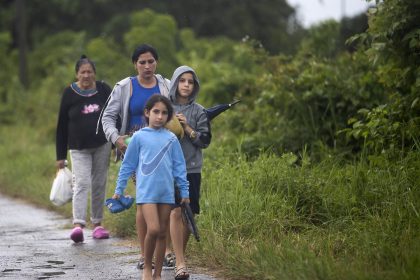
(56, 262)
(55, 265)
(11, 270)
(47, 275)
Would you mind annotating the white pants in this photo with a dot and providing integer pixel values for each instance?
(90, 173)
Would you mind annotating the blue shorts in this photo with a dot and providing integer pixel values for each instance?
(194, 180)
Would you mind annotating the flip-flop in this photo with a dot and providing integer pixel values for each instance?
(126, 201)
(140, 264)
(181, 273)
(114, 205)
(169, 260)
(120, 204)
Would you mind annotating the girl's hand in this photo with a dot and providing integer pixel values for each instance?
(185, 200)
(116, 196)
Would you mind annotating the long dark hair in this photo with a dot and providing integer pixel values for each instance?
(144, 48)
(155, 98)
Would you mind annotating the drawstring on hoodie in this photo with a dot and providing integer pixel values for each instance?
(102, 111)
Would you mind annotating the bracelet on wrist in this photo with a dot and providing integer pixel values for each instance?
(193, 135)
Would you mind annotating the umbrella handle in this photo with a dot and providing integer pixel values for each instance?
(234, 102)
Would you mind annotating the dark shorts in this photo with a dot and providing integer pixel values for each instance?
(194, 180)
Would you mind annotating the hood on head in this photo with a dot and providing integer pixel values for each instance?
(174, 83)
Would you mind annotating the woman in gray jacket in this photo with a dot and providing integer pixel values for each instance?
(130, 94)
(124, 112)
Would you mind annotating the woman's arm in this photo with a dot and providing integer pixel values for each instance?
(110, 116)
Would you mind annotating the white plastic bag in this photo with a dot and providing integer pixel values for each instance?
(61, 190)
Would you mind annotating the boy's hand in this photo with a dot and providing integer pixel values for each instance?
(116, 196)
(182, 119)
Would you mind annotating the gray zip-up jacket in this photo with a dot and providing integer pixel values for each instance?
(197, 119)
(118, 106)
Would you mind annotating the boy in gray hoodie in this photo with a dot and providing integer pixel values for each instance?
(183, 92)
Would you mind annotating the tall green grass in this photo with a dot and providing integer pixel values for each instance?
(270, 217)
(274, 219)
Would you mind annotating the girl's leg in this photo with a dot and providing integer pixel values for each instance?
(164, 211)
(141, 230)
(99, 178)
(151, 216)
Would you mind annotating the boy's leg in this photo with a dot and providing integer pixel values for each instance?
(194, 180)
(168, 260)
(185, 236)
(177, 236)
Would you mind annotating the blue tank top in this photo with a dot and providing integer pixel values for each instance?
(137, 102)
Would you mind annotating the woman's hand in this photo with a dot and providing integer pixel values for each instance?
(185, 200)
(60, 164)
(120, 143)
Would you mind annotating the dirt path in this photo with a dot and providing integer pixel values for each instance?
(34, 245)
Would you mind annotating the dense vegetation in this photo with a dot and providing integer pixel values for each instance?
(314, 175)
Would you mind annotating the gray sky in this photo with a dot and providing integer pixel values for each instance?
(313, 11)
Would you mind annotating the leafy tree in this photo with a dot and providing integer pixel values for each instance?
(10, 85)
(349, 26)
(158, 30)
(111, 64)
(392, 44)
(272, 22)
(322, 40)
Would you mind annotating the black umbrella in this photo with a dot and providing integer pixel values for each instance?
(188, 218)
(214, 111)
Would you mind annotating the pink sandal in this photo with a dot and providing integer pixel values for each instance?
(77, 235)
(100, 233)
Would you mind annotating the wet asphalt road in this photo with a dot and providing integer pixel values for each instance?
(35, 245)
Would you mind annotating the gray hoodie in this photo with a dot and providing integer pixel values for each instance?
(197, 119)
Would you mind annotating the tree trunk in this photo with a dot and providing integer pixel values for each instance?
(22, 41)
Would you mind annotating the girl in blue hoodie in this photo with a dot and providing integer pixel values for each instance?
(155, 154)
